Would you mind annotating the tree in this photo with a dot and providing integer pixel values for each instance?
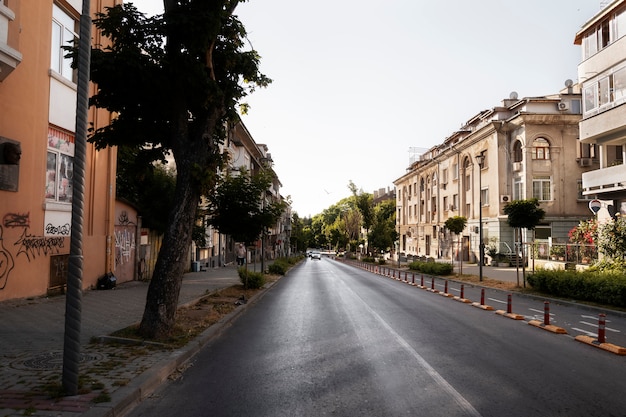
(456, 224)
(150, 187)
(237, 210)
(383, 232)
(523, 214)
(174, 82)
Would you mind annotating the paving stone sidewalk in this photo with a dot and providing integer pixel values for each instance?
(31, 348)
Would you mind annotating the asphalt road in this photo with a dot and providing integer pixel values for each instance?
(330, 339)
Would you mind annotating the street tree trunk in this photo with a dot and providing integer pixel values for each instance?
(190, 152)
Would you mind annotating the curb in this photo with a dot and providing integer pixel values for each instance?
(609, 347)
(548, 327)
(126, 398)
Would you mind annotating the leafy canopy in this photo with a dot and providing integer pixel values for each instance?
(524, 214)
(235, 208)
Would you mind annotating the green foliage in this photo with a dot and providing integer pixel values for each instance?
(612, 239)
(456, 224)
(251, 279)
(524, 214)
(237, 210)
(600, 287)
(433, 268)
(383, 233)
(149, 187)
(279, 266)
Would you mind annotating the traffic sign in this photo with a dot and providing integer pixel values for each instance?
(595, 205)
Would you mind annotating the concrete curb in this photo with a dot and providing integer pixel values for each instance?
(126, 398)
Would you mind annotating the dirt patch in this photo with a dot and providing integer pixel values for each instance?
(487, 282)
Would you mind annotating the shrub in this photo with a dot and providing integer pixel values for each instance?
(382, 261)
(599, 287)
(368, 259)
(251, 279)
(278, 268)
(434, 268)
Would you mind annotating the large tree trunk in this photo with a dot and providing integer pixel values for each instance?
(162, 299)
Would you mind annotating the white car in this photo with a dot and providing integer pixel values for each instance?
(316, 255)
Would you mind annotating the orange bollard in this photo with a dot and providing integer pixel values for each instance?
(601, 328)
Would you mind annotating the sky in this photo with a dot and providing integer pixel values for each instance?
(359, 86)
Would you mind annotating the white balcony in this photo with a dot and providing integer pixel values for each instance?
(604, 180)
(9, 57)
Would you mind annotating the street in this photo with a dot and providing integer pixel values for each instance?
(331, 339)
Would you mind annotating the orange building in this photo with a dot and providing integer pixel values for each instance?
(37, 137)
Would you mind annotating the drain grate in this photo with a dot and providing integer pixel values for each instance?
(52, 360)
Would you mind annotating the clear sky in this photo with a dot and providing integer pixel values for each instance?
(357, 83)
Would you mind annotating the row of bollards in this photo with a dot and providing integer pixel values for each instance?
(600, 341)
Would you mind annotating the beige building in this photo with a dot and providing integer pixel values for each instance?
(37, 138)
(602, 72)
(245, 154)
(529, 148)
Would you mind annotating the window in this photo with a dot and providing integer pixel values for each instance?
(591, 97)
(467, 183)
(455, 171)
(605, 91)
(484, 196)
(541, 149)
(517, 151)
(518, 189)
(588, 150)
(64, 33)
(542, 188)
(444, 176)
(59, 166)
(455, 201)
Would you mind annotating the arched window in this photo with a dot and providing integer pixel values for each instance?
(517, 151)
(541, 149)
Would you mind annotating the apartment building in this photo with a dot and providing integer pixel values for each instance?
(602, 73)
(245, 154)
(521, 149)
(37, 137)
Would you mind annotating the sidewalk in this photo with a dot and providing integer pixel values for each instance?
(31, 346)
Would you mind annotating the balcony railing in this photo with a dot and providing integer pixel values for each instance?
(9, 57)
(604, 180)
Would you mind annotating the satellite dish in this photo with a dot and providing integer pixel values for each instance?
(513, 95)
(569, 83)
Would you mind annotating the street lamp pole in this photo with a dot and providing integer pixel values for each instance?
(481, 243)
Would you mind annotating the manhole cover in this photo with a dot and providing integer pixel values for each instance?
(52, 360)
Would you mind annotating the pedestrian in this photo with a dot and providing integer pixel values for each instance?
(241, 255)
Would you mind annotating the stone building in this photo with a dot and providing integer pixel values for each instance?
(522, 149)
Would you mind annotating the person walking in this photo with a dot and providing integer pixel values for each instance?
(241, 255)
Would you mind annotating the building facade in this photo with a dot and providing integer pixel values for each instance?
(521, 149)
(602, 72)
(244, 154)
(37, 138)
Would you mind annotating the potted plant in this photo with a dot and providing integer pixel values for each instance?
(557, 252)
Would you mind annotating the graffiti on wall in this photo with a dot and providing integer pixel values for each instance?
(62, 230)
(28, 245)
(33, 246)
(6, 262)
(124, 246)
(16, 220)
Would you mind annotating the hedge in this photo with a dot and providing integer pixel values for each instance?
(434, 268)
(599, 287)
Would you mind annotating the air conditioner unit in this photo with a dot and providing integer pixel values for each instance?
(563, 106)
(517, 166)
(505, 198)
(585, 162)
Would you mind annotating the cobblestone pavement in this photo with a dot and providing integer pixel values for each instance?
(31, 349)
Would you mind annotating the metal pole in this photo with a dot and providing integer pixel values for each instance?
(73, 298)
(481, 244)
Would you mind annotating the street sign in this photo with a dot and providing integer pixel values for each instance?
(595, 205)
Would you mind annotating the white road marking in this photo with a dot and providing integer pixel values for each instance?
(460, 400)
